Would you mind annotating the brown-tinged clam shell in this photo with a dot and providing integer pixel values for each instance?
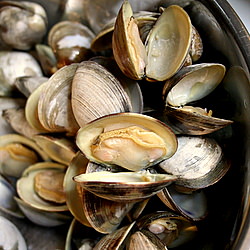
(165, 49)
(173, 230)
(70, 41)
(117, 239)
(124, 186)
(191, 84)
(16, 118)
(96, 92)
(137, 141)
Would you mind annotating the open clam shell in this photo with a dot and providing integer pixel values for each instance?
(124, 186)
(96, 92)
(17, 153)
(198, 162)
(137, 60)
(171, 229)
(191, 84)
(60, 149)
(26, 187)
(139, 140)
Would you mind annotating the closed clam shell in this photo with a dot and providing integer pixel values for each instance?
(96, 92)
(124, 186)
(139, 140)
(198, 162)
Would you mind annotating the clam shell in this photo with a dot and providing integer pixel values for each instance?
(60, 149)
(198, 162)
(164, 52)
(11, 237)
(192, 206)
(96, 92)
(25, 187)
(40, 217)
(73, 191)
(54, 104)
(17, 163)
(124, 186)
(87, 135)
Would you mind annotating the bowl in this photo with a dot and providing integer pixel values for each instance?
(227, 41)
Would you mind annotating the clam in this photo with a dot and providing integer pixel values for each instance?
(124, 186)
(15, 64)
(171, 229)
(192, 206)
(54, 103)
(60, 149)
(96, 92)
(8, 103)
(117, 239)
(17, 153)
(70, 41)
(11, 237)
(24, 24)
(198, 162)
(165, 49)
(103, 215)
(191, 84)
(15, 117)
(41, 194)
(27, 84)
(7, 203)
(130, 140)
(47, 59)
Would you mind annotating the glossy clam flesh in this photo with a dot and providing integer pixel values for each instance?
(132, 141)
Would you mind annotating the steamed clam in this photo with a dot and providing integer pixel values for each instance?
(17, 153)
(191, 84)
(132, 141)
(23, 24)
(163, 53)
(41, 194)
(198, 162)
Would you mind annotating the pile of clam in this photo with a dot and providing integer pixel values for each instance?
(81, 142)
